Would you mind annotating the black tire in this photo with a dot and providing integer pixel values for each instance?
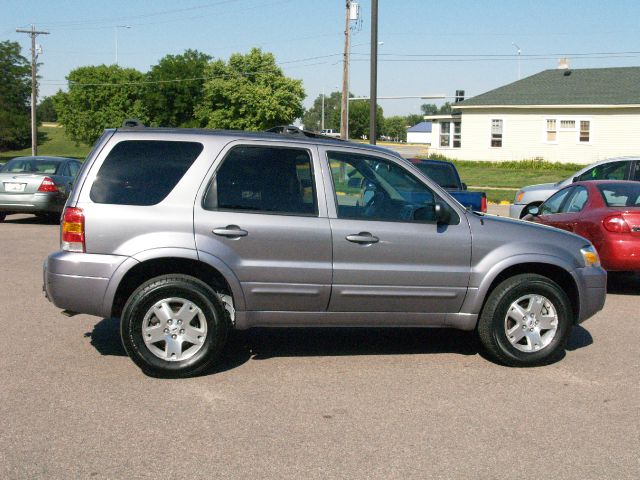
(165, 287)
(492, 324)
(2, 216)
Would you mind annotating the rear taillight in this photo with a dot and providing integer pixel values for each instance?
(72, 237)
(48, 185)
(483, 204)
(616, 224)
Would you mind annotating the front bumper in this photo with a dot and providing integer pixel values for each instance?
(515, 210)
(592, 291)
(78, 281)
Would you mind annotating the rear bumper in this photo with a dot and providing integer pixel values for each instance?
(31, 202)
(78, 281)
(592, 291)
(622, 254)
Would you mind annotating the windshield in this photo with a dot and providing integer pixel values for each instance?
(621, 194)
(32, 165)
(441, 173)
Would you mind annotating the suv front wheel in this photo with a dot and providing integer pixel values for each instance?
(174, 326)
(526, 321)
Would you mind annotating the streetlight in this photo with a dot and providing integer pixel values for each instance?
(115, 31)
(519, 52)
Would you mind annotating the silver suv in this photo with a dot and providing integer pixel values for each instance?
(185, 234)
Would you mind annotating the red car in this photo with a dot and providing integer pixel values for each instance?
(605, 212)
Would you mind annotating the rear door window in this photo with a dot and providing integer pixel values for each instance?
(256, 179)
(142, 172)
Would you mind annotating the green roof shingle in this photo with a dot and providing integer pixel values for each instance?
(588, 86)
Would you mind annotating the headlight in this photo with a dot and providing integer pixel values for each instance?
(590, 256)
(519, 196)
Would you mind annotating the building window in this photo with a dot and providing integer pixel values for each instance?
(567, 124)
(585, 127)
(496, 133)
(552, 132)
(445, 134)
(457, 135)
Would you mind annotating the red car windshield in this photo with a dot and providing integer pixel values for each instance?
(621, 194)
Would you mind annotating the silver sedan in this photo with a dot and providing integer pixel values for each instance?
(38, 185)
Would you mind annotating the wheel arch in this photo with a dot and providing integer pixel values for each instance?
(215, 274)
(557, 272)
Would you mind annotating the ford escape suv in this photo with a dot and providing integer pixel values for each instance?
(186, 234)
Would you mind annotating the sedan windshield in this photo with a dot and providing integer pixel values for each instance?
(621, 194)
(32, 165)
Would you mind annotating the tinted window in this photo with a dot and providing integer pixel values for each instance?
(443, 174)
(606, 171)
(621, 194)
(577, 201)
(74, 168)
(553, 204)
(371, 188)
(142, 172)
(264, 179)
(32, 165)
(636, 173)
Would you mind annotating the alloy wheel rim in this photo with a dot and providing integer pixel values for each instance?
(174, 329)
(531, 323)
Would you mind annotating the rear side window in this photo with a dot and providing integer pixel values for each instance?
(621, 194)
(264, 180)
(142, 172)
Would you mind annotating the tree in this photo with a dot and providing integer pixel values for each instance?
(46, 110)
(249, 92)
(429, 109)
(15, 91)
(99, 97)
(359, 118)
(171, 103)
(445, 109)
(413, 119)
(396, 128)
(312, 118)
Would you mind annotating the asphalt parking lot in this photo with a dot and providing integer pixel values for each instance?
(308, 403)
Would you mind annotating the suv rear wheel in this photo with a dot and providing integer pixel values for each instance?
(174, 326)
(525, 321)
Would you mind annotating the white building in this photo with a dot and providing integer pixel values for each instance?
(420, 133)
(577, 116)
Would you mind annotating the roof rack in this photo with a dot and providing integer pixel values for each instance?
(132, 122)
(293, 130)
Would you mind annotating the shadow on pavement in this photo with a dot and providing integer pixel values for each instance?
(266, 343)
(623, 283)
(23, 219)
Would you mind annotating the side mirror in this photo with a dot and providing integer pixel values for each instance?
(575, 179)
(441, 210)
(535, 211)
(464, 186)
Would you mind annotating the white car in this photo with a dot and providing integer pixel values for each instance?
(620, 168)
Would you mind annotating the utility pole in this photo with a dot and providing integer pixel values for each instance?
(344, 119)
(322, 122)
(374, 72)
(34, 88)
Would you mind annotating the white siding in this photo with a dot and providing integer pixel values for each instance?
(613, 132)
(419, 137)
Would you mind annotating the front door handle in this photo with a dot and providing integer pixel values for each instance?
(230, 231)
(362, 237)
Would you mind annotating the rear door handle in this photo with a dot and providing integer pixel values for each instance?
(230, 231)
(362, 237)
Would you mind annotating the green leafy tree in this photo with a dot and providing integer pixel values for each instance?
(359, 119)
(395, 128)
(99, 97)
(445, 109)
(171, 103)
(312, 118)
(413, 119)
(249, 92)
(46, 110)
(15, 90)
(429, 109)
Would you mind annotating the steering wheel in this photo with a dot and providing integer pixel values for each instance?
(375, 202)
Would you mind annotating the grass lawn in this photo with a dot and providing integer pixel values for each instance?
(52, 142)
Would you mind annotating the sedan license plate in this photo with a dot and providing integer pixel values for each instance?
(14, 187)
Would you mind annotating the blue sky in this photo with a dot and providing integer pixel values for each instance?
(429, 47)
